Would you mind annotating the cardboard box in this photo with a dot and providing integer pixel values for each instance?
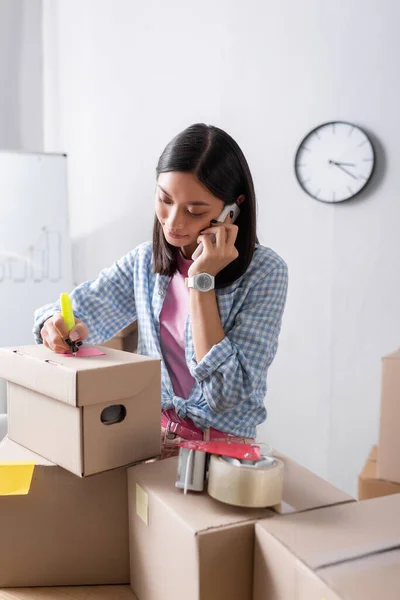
(66, 530)
(372, 577)
(389, 432)
(56, 406)
(125, 340)
(330, 553)
(196, 547)
(104, 592)
(369, 486)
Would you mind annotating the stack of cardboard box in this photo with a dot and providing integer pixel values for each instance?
(381, 473)
(75, 426)
(192, 546)
(95, 512)
(317, 544)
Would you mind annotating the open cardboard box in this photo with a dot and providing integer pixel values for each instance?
(197, 547)
(59, 406)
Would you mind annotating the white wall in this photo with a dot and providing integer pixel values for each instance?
(21, 98)
(121, 78)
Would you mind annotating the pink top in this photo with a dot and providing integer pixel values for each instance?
(173, 318)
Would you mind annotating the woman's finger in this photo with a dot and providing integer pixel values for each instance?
(60, 326)
(232, 233)
(220, 237)
(206, 241)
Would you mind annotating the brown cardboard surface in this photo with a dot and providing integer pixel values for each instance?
(288, 548)
(126, 340)
(78, 381)
(66, 530)
(104, 592)
(369, 486)
(373, 577)
(197, 541)
(117, 343)
(389, 431)
(74, 437)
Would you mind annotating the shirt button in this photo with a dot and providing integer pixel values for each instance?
(160, 292)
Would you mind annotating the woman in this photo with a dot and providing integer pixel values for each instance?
(216, 334)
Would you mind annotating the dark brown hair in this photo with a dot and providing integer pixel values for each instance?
(219, 164)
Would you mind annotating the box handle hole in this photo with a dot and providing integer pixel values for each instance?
(113, 414)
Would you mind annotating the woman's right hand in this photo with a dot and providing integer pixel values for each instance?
(54, 333)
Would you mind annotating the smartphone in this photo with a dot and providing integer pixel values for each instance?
(234, 208)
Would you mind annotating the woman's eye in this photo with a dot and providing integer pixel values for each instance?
(167, 201)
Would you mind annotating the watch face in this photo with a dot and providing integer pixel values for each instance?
(203, 281)
(334, 162)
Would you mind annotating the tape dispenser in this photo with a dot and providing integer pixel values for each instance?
(235, 473)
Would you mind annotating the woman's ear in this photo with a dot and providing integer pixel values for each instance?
(240, 199)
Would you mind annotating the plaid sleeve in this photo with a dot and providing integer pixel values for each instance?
(229, 373)
(106, 304)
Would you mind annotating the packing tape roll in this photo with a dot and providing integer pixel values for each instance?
(251, 484)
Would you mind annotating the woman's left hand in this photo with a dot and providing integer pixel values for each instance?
(216, 256)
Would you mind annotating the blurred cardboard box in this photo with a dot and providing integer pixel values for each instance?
(342, 552)
(59, 529)
(88, 414)
(369, 486)
(196, 547)
(389, 432)
(94, 592)
(125, 340)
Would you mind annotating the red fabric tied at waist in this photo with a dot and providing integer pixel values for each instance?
(186, 429)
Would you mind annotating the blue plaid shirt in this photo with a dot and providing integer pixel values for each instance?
(231, 379)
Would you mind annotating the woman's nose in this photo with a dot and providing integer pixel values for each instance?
(174, 222)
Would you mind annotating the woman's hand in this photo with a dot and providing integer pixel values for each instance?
(216, 256)
(54, 333)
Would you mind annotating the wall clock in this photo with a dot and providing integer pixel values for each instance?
(335, 161)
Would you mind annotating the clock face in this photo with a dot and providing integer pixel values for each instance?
(334, 162)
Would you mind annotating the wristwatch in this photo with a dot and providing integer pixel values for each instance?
(203, 282)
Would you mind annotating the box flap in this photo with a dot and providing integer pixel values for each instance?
(304, 490)
(370, 468)
(368, 578)
(11, 451)
(373, 455)
(78, 381)
(338, 533)
(392, 356)
(132, 328)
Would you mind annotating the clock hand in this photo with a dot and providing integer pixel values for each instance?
(338, 165)
(346, 164)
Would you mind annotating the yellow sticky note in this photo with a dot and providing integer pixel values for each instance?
(15, 478)
(142, 504)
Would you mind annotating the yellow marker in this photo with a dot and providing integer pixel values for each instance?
(68, 316)
(15, 478)
(67, 312)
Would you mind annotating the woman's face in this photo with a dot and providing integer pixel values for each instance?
(184, 207)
